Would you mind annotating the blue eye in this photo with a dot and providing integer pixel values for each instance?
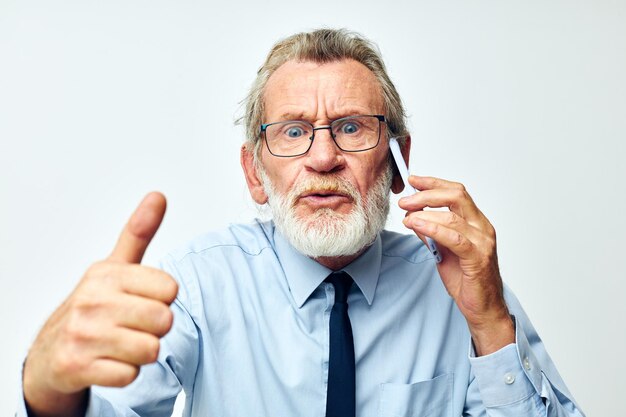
(350, 128)
(295, 132)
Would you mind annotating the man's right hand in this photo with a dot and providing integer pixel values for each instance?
(107, 328)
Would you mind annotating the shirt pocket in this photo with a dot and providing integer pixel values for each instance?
(432, 398)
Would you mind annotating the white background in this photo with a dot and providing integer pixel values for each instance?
(525, 103)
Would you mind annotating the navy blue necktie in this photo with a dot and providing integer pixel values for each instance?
(340, 400)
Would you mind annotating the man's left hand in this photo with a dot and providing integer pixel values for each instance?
(469, 270)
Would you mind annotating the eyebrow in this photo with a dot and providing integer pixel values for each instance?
(301, 116)
(292, 116)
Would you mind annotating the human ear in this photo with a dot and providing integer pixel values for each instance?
(255, 185)
(397, 185)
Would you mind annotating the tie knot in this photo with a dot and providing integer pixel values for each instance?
(342, 282)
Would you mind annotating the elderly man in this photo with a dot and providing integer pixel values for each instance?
(319, 312)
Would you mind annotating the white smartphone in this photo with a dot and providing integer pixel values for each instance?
(409, 190)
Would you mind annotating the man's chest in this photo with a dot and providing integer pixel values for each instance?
(410, 348)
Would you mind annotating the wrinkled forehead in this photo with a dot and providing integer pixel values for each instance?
(336, 89)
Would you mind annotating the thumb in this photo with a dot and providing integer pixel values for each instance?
(140, 229)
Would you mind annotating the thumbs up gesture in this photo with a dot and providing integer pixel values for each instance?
(108, 326)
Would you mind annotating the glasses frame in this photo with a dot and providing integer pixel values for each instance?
(380, 117)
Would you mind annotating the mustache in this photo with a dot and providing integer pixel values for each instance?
(330, 184)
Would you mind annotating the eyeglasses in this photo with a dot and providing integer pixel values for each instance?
(295, 137)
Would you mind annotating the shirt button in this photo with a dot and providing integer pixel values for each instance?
(526, 364)
(509, 378)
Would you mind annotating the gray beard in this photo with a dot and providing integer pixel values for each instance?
(327, 233)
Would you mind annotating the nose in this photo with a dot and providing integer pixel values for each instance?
(324, 155)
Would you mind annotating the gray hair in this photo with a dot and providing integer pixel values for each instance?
(322, 46)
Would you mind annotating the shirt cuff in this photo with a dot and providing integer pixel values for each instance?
(508, 375)
(94, 406)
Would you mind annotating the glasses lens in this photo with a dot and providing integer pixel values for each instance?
(288, 138)
(356, 133)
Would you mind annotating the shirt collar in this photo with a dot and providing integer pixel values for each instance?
(304, 274)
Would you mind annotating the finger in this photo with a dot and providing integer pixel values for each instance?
(449, 238)
(110, 373)
(140, 229)
(128, 346)
(457, 200)
(147, 282)
(430, 183)
(143, 314)
(134, 279)
(450, 220)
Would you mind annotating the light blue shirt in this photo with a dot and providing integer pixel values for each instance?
(250, 338)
